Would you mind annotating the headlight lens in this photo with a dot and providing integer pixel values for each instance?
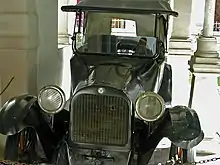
(150, 106)
(51, 99)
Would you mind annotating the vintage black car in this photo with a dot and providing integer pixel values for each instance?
(121, 100)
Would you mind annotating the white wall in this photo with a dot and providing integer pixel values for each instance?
(181, 74)
(65, 30)
(206, 99)
(66, 53)
(197, 20)
(50, 63)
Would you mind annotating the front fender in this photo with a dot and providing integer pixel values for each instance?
(185, 129)
(13, 112)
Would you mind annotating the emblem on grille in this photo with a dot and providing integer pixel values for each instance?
(101, 90)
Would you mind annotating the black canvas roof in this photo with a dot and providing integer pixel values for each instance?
(123, 6)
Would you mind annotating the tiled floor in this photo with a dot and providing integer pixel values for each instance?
(161, 154)
(209, 149)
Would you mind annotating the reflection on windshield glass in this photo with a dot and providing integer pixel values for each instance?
(117, 34)
(121, 45)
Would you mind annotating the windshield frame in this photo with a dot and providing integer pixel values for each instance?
(78, 28)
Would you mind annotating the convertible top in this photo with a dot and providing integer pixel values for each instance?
(123, 6)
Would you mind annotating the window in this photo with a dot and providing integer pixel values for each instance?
(217, 16)
(118, 23)
(123, 27)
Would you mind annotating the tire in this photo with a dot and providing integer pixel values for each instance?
(11, 148)
(173, 151)
(13, 151)
(61, 155)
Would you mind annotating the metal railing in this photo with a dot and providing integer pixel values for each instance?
(217, 27)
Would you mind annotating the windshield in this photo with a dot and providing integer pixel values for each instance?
(116, 34)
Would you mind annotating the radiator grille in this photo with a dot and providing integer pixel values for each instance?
(99, 119)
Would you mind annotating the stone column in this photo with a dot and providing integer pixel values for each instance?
(197, 17)
(209, 18)
(65, 22)
(206, 58)
(63, 37)
(180, 42)
(49, 61)
(180, 50)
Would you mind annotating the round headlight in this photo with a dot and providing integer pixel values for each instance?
(51, 99)
(150, 106)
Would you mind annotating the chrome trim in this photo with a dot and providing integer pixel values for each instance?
(151, 94)
(60, 91)
(109, 91)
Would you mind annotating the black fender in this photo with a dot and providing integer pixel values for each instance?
(184, 130)
(166, 85)
(30, 151)
(13, 113)
(22, 112)
(148, 143)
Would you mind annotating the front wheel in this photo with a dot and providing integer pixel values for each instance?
(61, 154)
(22, 146)
(174, 151)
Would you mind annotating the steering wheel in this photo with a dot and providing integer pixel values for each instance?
(125, 44)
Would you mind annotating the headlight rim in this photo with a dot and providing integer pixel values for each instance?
(152, 94)
(58, 89)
